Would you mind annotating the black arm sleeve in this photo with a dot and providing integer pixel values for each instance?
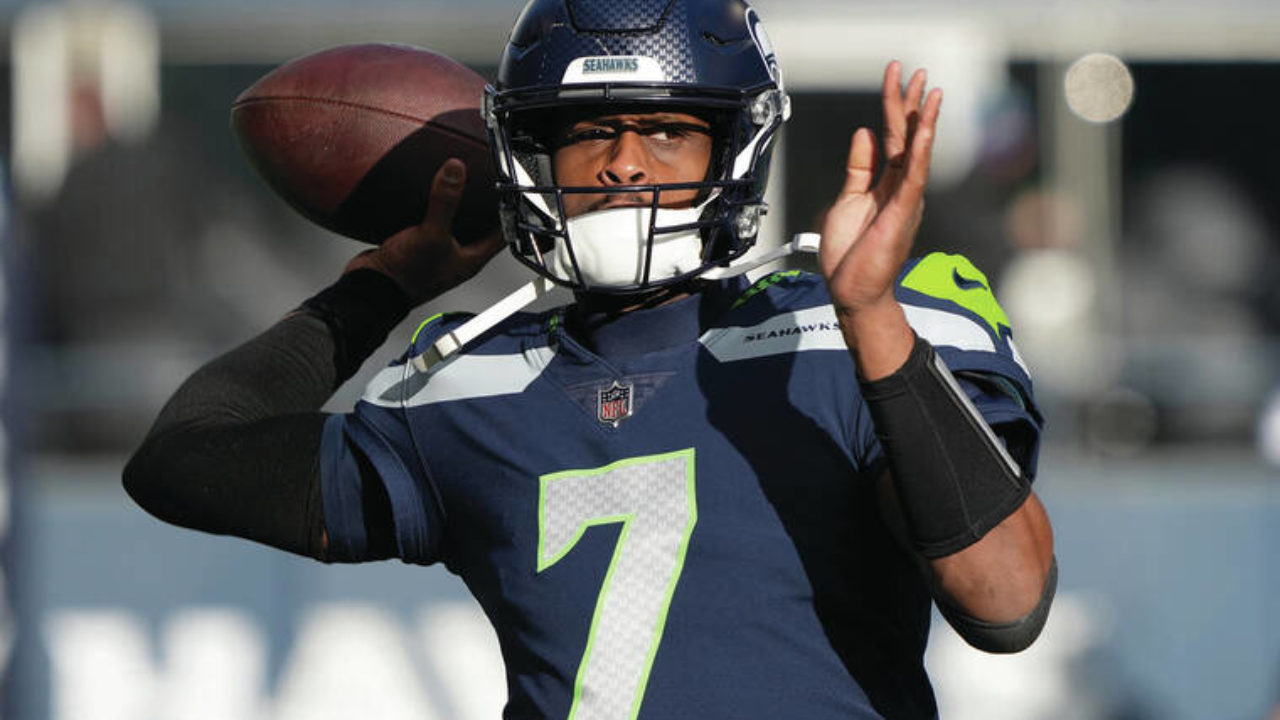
(236, 449)
(954, 477)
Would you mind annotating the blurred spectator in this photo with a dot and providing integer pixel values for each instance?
(1191, 298)
(143, 260)
(120, 284)
(1269, 429)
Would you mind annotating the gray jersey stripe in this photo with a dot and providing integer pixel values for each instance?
(464, 377)
(811, 329)
(816, 329)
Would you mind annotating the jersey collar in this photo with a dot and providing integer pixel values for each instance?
(648, 330)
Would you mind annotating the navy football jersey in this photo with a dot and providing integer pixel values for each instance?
(674, 514)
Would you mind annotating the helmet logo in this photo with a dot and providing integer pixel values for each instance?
(613, 68)
(764, 45)
(596, 65)
(613, 403)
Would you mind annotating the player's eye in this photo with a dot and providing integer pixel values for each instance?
(665, 132)
(662, 137)
(590, 134)
(671, 133)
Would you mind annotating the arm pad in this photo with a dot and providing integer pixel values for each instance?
(954, 478)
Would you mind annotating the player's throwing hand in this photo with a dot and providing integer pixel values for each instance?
(426, 259)
(868, 232)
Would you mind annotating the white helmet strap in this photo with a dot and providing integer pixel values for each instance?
(451, 342)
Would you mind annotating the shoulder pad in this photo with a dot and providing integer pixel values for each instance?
(951, 282)
(949, 302)
(432, 328)
(503, 360)
(765, 283)
(782, 313)
(782, 291)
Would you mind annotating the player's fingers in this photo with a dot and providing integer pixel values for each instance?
(915, 91)
(861, 165)
(446, 194)
(924, 131)
(911, 191)
(905, 125)
(895, 120)
(911, 105)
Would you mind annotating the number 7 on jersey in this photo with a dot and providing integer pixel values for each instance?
(655, 500)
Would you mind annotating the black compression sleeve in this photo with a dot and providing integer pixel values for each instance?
(360, 310)
(954, 478)
(236, 450)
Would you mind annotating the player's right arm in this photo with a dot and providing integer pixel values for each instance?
(236, 450)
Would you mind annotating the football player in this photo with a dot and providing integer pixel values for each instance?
(682, 495)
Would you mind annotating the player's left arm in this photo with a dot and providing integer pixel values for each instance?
(996, 593)
(966, 508)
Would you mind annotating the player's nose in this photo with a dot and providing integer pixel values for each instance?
(629, 161)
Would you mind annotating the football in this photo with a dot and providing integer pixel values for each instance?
(352, 136)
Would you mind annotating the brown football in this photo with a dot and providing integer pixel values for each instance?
(352, 136)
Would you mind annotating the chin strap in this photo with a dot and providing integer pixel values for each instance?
(453, 341)
(802, 243)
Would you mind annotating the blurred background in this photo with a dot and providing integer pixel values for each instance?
(1124, 208)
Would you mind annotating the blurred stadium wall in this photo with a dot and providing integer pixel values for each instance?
(1135, 258)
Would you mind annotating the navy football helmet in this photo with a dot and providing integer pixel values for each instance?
(709, 58)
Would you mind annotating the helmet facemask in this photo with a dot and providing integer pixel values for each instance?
(632, 249)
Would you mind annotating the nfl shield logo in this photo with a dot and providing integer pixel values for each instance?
(614, 403)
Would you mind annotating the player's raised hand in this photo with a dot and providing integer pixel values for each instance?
(426, 260)
(868, 232)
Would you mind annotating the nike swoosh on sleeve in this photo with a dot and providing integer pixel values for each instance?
(965, 283)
